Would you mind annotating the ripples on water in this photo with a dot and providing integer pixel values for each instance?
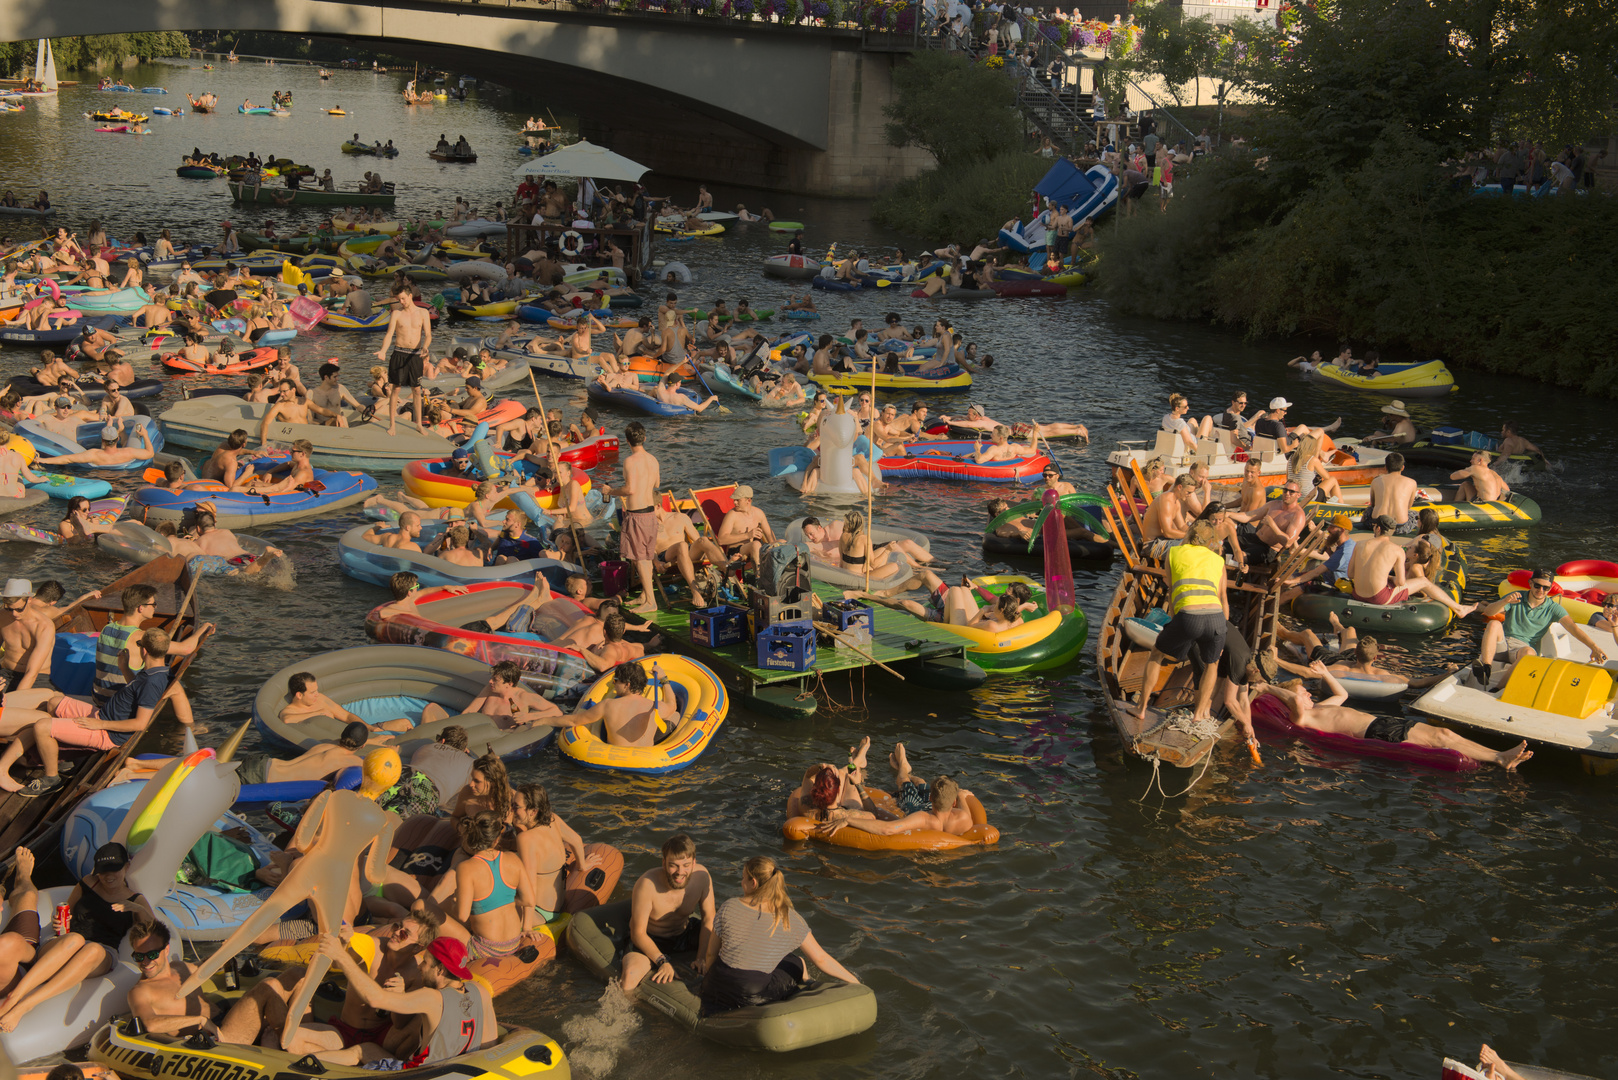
(1314, 915)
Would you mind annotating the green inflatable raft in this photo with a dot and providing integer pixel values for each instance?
(1415, 616)
(599, 937)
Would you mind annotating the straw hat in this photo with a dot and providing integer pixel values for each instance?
(1396, 409)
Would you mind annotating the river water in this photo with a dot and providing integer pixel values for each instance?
(1314, 915)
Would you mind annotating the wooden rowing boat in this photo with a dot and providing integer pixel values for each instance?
(34, 823)
(1159, 737)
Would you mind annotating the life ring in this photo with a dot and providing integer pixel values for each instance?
(572, 243)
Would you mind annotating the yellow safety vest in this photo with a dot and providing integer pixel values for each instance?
(1195, 574)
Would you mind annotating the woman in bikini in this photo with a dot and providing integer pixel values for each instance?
(546, 845)
(494, 893)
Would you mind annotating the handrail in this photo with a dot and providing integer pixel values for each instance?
(1159, 109)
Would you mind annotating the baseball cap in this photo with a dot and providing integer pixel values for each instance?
(452, 955)
(461, 453)
(1344, 522)
(744, 492)
(110, 431)
(111, 857)
(16, 587)
(1385, 522)
(1542, 574)
(63, 402)
(1280, 403)
(474, 382)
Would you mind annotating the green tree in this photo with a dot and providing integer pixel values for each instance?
(959, 112)
(1177, 49)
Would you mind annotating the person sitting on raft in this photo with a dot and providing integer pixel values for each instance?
(109, 453)
(19, 942)
(102, 908)
(750, 957)
(940, 806)
(1401, 433)
(1002, 448)
(547, 846)
(825, 786)
(492, 905)
(629, 717)
(671, 910)
(509, 705)
(307, 700)
(1332, 716)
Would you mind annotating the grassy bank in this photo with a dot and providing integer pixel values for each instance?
(962, 204)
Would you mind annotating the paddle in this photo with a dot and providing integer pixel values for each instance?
(550, 447)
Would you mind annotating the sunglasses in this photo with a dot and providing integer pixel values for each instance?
(1538, 586)
(146, 957)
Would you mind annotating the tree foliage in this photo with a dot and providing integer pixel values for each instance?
(961, 113)
(78, 53)
(965, 204)
(1345, 218)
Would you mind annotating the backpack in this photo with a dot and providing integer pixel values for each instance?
(783, 570)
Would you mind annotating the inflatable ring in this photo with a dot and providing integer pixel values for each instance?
(703, 704)
(981, 832)
(572, 243)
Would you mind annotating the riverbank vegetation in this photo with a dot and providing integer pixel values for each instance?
(1348, 216)
(964, 114)
(95, 51)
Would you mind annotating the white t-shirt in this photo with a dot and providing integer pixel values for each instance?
(1174, 423)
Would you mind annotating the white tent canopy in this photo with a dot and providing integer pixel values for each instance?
(583, 159)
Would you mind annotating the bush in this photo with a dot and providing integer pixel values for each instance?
(965, 204)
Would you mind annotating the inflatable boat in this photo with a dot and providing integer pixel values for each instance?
(640, 401)
(980, 834)
(951, 460)
(389, 682)
(1074, 508)
(702, 705)
(252, 360)
(895, 572)
(244, 510)
(1429, 380)
(441, 618)
(1044, 640)
(88, 436)
(1416, 615)
(828, 1010)
(365, 560)
(1270, 714)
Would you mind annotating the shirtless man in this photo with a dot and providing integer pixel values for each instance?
(222, 464)
(1273, 528)
(671, 909)
(299, 473)
(1377, 573)
(1332, 716)
(109, 453)
(14, 472)
(114, 405)
(404, 537)
(745, 530)
(64, 420)
(212, 540)
(1403, 432)
(505, 701)
(638, 522)
(307, 701)
(328, 398)
(404, 347)
(1201, 492)
(629, 717)
(454, 545)
(667, 390)
(288, 408)
(155, 1001)
(1166, 520)
(26, 638)
(914, 426)
(1479, 483)
(1391, 496)
(317, 763)
(1512, 443)
(681, 546)
(1254, 493)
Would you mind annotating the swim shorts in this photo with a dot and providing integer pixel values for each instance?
(686, 940)
(405, 367)
(638, 539)
(1204, 630)
(1388, 595)
(353, 1036)
(1411, 526)
(12, 679)
(913, 798)
(255, 769)
(1391, 729)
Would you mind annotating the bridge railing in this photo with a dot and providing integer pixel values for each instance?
(882, 24)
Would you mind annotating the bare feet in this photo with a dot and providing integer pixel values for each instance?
(25, 863)
(1336, 623)
(1464, 610)
(7, 783)
(1511, 759)
(899, 762)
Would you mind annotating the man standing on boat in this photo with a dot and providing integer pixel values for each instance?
(638, 524)
(409, 336)
(1199, 610)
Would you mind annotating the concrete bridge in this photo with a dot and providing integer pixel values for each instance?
(754, 104)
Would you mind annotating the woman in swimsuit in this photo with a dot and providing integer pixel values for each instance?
(102, 909)
(855, 547)
(488, 787)
(546, 844)
(494, 894)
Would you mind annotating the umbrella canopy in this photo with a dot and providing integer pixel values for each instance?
(584, 159)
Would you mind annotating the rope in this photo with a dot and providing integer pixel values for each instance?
(1181, 720)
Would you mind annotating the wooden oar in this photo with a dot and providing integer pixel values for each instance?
(556, 470)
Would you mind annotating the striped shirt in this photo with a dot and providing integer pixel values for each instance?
(114, 640)
(745, 938)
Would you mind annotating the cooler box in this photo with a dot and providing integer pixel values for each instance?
(1472, 440)
(786, 648)
(715, 627)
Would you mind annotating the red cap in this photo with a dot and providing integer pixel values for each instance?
(452, 955)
